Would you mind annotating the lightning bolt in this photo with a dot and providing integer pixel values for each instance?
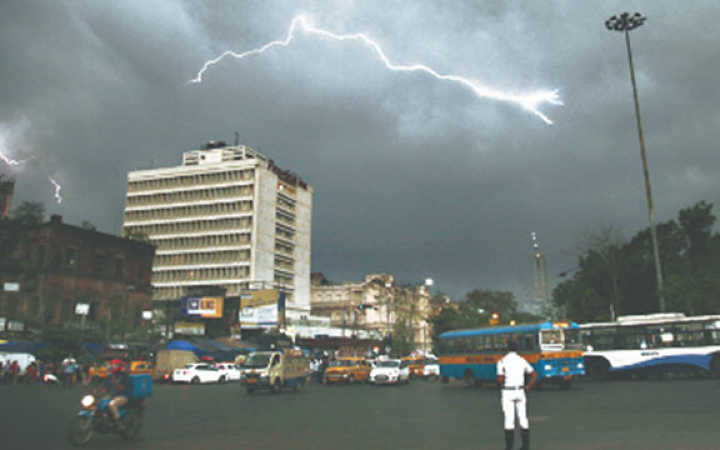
(9, 161)
(530, 102)
(56, 190)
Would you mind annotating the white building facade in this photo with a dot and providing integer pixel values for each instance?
(228, 217)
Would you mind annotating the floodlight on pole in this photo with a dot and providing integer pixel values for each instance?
(624, 23)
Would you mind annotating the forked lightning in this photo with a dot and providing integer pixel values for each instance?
(531, 102)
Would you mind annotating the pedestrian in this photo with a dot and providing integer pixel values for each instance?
(68, 373)
(511, 371)
(14, 371)
(31, 373)
(2, 372)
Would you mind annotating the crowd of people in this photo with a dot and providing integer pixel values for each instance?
(67, 372)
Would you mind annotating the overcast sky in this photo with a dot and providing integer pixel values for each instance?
(412, 176)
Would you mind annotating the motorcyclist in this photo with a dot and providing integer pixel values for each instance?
(116, 385)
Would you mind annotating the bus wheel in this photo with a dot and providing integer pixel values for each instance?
(469, 379)
(715, 366)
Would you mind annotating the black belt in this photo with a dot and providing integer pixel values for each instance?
(513, 388)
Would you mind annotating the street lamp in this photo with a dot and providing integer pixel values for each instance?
(626, 23)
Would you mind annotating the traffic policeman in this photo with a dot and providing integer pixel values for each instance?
(511, 371)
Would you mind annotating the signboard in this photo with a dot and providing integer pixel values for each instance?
(260, 297)
(147, 315)
(205, 307)
(259, 317)
(190, 328)
(11, 287)
(14, 325)
(82, 309)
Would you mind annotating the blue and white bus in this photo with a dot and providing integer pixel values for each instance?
(652, 345)
(554, 349)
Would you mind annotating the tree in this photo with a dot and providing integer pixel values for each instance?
(29, 213)
(622, 274)
(87, 225)
(697, 223)
(499, 302)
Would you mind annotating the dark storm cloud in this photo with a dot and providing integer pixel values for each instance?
(412, 176)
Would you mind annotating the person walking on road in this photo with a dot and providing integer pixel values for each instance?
(511, 371)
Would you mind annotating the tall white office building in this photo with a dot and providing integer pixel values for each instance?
(228, 216)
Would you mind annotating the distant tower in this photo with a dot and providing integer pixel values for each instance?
(540, 278)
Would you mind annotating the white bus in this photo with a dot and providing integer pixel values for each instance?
(652, 345)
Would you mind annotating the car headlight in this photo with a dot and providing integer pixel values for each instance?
(548, 367)
(87, 401)
(590, 348)
(581, 365)
(345, 375)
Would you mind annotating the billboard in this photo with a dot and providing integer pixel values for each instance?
(190, 328)
(259, 317)
(82, 309)
(205, 307)
(264, 309)
(260, 297)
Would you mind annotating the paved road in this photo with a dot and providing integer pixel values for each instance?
(679, 414)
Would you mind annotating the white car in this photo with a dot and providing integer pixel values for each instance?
(390, 371)
(432, 368)
(230, 371)
(197, 373)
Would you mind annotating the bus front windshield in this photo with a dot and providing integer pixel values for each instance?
(561, 339)
(551, 337)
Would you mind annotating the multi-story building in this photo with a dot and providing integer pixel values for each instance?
(49, 268)
(374, 306)
(228, 217)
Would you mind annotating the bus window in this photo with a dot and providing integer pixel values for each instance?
(633, 338)
(573, 340)
(689, 334)
(551, 337)
(529, 342)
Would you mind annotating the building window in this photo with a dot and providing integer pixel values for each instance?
(70, 258)
(99, 264)
(41, 255)
(119, 268)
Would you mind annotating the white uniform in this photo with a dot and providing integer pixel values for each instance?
(514, 367)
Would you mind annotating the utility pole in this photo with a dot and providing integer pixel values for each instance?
(625, 23)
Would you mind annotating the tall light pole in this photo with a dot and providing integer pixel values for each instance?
(626, 23)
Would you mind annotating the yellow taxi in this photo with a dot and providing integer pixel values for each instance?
(416, 364)
(140, 367)
(348, 370)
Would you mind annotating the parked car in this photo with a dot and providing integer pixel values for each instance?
(390, 371)
(347, 370)
(196, 373)
(229, 370)
(166, 361)
(432, 368)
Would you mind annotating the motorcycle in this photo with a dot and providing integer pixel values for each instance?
(95, 417)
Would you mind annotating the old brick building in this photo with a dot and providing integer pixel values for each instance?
(48, 268)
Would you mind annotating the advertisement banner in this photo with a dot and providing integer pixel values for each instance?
(205, 307)
(190, 328)
(14, 325)
(261, 297)
(259, 317)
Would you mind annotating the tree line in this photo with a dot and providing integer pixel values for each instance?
(615, 276)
